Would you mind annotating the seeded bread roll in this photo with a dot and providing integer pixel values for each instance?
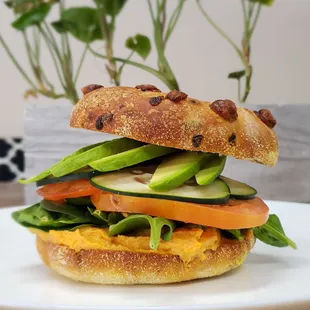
(138, 267)
(174, 120)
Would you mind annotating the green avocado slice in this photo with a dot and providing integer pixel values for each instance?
(211, 170)
(177, 169)
(130, 157)
(103, 150)
(47, 172)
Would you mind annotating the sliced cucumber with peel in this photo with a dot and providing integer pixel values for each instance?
(211, 170)
(239, 190)
(126, 182)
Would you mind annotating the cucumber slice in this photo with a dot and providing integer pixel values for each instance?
(176, 169)
(130, 157)
(80, 174)
(126, 182)
(81, 160)
(211, 170)
(239, 190)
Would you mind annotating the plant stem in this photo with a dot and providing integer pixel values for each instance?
(244, 9)
(173, 20)
(255, 20)
(163, 63)
(64, 65)
(244, 53)
(219, 30)
(107, 31)
(151, 11)
(120, 70)
(37, 55)
(157, 73)
(51, 50)
(81, 63)
(17, 65)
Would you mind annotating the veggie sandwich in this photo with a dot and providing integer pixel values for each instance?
(154, 205)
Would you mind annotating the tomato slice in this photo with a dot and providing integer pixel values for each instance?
(236, 214)
(70, 189)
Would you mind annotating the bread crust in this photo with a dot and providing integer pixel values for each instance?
(128, 267)
(188, 124)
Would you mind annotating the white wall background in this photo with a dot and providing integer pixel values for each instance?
(200, 59)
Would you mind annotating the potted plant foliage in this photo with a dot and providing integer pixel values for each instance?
(93, 23)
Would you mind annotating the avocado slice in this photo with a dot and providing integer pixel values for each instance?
(177, 169)
(81, 160)
(130, 157)
(211, 170)
(46, 173)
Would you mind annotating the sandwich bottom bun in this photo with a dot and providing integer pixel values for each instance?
(136, 267)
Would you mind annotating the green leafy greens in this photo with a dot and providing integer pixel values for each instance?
(79, 212)
(272, 233)
(48, 216)
(140, 221)
(236, 233)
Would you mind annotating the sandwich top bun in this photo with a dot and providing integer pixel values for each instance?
(175, 120)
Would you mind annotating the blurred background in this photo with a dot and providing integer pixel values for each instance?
(253, 52)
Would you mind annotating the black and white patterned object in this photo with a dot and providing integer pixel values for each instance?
(11, 159)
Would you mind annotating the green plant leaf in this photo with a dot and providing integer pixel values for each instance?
(237, 75)
(140, 221)
(272, 233)
(140, 44)
(108, 218)
(236, 233)
(46, 216)
(38, 217)
(264, 2)
(21, 6)
(33, 17)
(81, 22)
(65, 209)
(112, 7)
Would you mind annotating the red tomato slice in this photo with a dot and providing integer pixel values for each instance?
(236, 214)
(70, 189)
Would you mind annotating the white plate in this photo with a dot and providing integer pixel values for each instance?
(271, 278)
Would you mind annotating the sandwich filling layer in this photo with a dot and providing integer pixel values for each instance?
(187, 243)
(105, 195)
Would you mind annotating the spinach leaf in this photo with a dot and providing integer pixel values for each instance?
(140, 221)
(108, 218)
(80, 201)
(272, 233)
(64, 209)
(47, 216)
(38, 217)
(236, 233)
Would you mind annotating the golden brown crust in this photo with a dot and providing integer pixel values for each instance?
(188, 124)
(126, 267)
